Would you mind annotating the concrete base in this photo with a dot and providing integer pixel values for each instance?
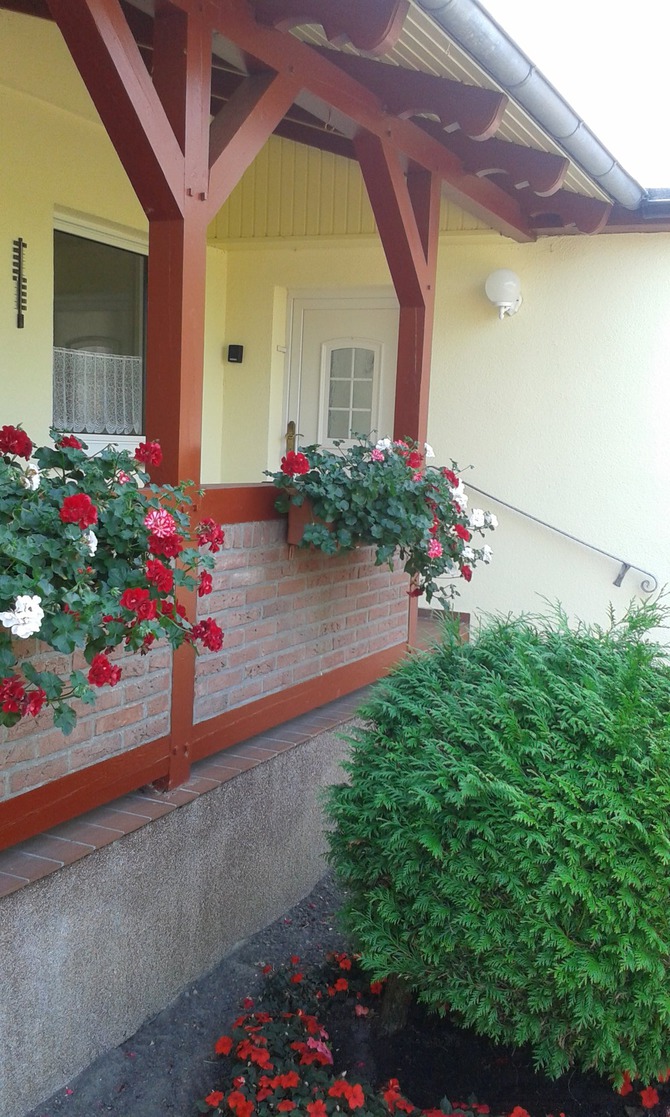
(92, 951)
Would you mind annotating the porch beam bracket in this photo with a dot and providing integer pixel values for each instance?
(241, 128)
(405, 93)
(541, 171)
(371, 25)
(330, 94)
(108, 58)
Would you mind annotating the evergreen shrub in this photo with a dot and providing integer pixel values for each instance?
(505, 838)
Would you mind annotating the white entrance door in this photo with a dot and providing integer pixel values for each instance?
(342, 364)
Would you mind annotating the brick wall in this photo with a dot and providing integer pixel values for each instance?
(290, 619)
(136, 710)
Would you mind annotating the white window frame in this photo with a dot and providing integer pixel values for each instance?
(117, 236)
(327, 348)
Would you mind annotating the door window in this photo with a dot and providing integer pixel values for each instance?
(349, 388)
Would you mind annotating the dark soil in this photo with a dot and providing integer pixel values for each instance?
(169, 1065)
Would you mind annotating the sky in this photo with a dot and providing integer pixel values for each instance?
(609, 60)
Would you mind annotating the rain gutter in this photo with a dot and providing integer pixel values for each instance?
(475, 31)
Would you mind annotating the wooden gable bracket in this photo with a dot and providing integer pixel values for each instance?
(371, 25)
(541, 171)
(405, 93)
(567, 212)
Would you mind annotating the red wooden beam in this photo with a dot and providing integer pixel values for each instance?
(38, 810)
(477, 112)
(107, 57)
(242, 127)
(372, 25)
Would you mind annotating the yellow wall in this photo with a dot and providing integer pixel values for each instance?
(56, 157)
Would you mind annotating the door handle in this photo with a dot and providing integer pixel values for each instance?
(290, 436)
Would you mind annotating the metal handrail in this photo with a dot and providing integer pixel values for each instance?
(645, 585)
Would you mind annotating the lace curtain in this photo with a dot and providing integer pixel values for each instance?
(97, 393)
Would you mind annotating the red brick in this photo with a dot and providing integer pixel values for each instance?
(37, 773)
(209, 707)
(240, 695)
(118, 718)
(279, 680)
(159, 704)
(265, 592)
(149, 730)
(16, 753)
(153, 684)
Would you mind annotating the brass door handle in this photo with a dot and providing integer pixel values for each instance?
(290, 436)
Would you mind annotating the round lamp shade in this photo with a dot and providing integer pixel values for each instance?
(503, 289)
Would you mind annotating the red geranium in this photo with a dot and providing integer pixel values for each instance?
(33, 702)
(79, 509)
(210, 532)
(12, 694)
(467, 573)
(170, 547)
(133, 598)
(294, 463)
(209, 633)
(149, 453)
(15, 441)
(102, 672)
(649, 1097)
(205, 586)
(69, 440)
(160, 575)
(462, 532)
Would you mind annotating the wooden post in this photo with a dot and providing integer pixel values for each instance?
(407, 209)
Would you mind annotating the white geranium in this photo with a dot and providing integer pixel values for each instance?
(30, 477)
(477, 518)
(430, 453)
(486, 553)
(491, 520)
(468, 555)
(384, 444)
(25, 619)
(91, 541)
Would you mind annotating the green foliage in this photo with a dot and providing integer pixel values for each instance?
(505, 837)
(385, 496)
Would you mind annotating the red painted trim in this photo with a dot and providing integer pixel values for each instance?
(239, 504)
(370, 25)
(108, 59)
(237, 725)
(37, 810)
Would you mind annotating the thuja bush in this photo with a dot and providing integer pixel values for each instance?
(505, 838)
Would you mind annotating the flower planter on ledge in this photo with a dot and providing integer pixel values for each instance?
(299, 516)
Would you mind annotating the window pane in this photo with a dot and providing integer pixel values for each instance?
(362, 396)
(364, 363)
(360, 422)
(340, 363)
(340, 393)
(338, 424)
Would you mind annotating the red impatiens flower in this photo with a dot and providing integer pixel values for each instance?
(102, 672)
(15, 441)
(170, 546)
(626, 1086)
(295, 959)
(341, 984)
(297, 978)
(286, 1105)
(214, 1099)
(160, 575)
(12, 694)
(149, 452)
(205, 586)
(376, 987)
(211, 635)
(294, 463)
(317, 1108)
(79, 509)
(69, 441)
(649, 1097)
(223, 1045)
(343, 961)
(519, 1111)
(210, 532)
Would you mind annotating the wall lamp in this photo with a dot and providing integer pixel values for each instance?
(503, 289)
